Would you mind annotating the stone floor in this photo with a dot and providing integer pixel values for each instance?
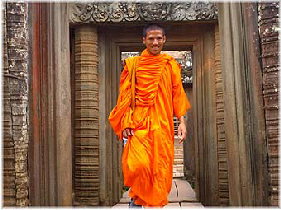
(181, 196)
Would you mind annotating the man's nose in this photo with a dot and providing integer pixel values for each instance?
(155, 42)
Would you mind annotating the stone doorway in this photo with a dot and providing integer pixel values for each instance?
(111, 41)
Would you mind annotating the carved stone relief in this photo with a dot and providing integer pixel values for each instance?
(269, 33)
(116, 12)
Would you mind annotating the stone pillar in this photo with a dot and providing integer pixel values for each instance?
(209, 128)
(220, 126)
(50, 148)
(86, 118)
(244, 118)
(60, 62)
(234, 69)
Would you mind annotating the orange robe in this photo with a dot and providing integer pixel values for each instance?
(147, 159)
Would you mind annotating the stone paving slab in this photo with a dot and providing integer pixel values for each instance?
(172, 205)
(185, 191)
(183, 205)
(181, 195)
(125, 198)
(173, 193)
(181, 191)
(121, 206)
(191, 205)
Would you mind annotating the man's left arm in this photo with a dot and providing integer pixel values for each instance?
(182, 129)
(180, 102)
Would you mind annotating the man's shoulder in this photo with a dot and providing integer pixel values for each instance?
(174, 63)
(169, 58)
(131, 59)
(172, 59)
(130, 62)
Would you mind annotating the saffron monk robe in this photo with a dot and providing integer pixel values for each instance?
(147, 159)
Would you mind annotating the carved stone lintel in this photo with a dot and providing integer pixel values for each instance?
(117, 12)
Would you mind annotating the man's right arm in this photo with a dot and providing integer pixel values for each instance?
(122, 106)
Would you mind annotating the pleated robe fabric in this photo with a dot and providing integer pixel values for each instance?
(147, 159)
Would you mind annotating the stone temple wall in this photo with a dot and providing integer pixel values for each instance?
(16, 81)
(268, 28)
(15, 101)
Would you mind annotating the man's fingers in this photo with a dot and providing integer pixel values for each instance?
(125, 134)
(179, 131)
(181, 140)
(128, 132)
(183, 135)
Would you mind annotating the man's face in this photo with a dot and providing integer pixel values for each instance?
(154, 41)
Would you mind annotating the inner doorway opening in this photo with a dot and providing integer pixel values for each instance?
(200, 42)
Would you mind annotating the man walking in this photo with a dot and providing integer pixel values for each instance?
(151, 93)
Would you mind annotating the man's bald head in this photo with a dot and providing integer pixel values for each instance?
(152, 27)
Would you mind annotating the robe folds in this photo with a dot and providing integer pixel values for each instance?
(147, 159)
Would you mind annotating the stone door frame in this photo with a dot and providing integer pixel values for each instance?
(203, 44)
(97, 14)
(58, 150)
(109, 76)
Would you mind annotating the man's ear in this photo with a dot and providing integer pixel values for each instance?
(143, 40)
(164, 39)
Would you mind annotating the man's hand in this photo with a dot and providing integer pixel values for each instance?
(182, 130)
(127, 132)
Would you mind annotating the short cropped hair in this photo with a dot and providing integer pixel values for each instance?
(151, 27)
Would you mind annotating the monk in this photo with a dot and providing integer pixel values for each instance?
(151, 93)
